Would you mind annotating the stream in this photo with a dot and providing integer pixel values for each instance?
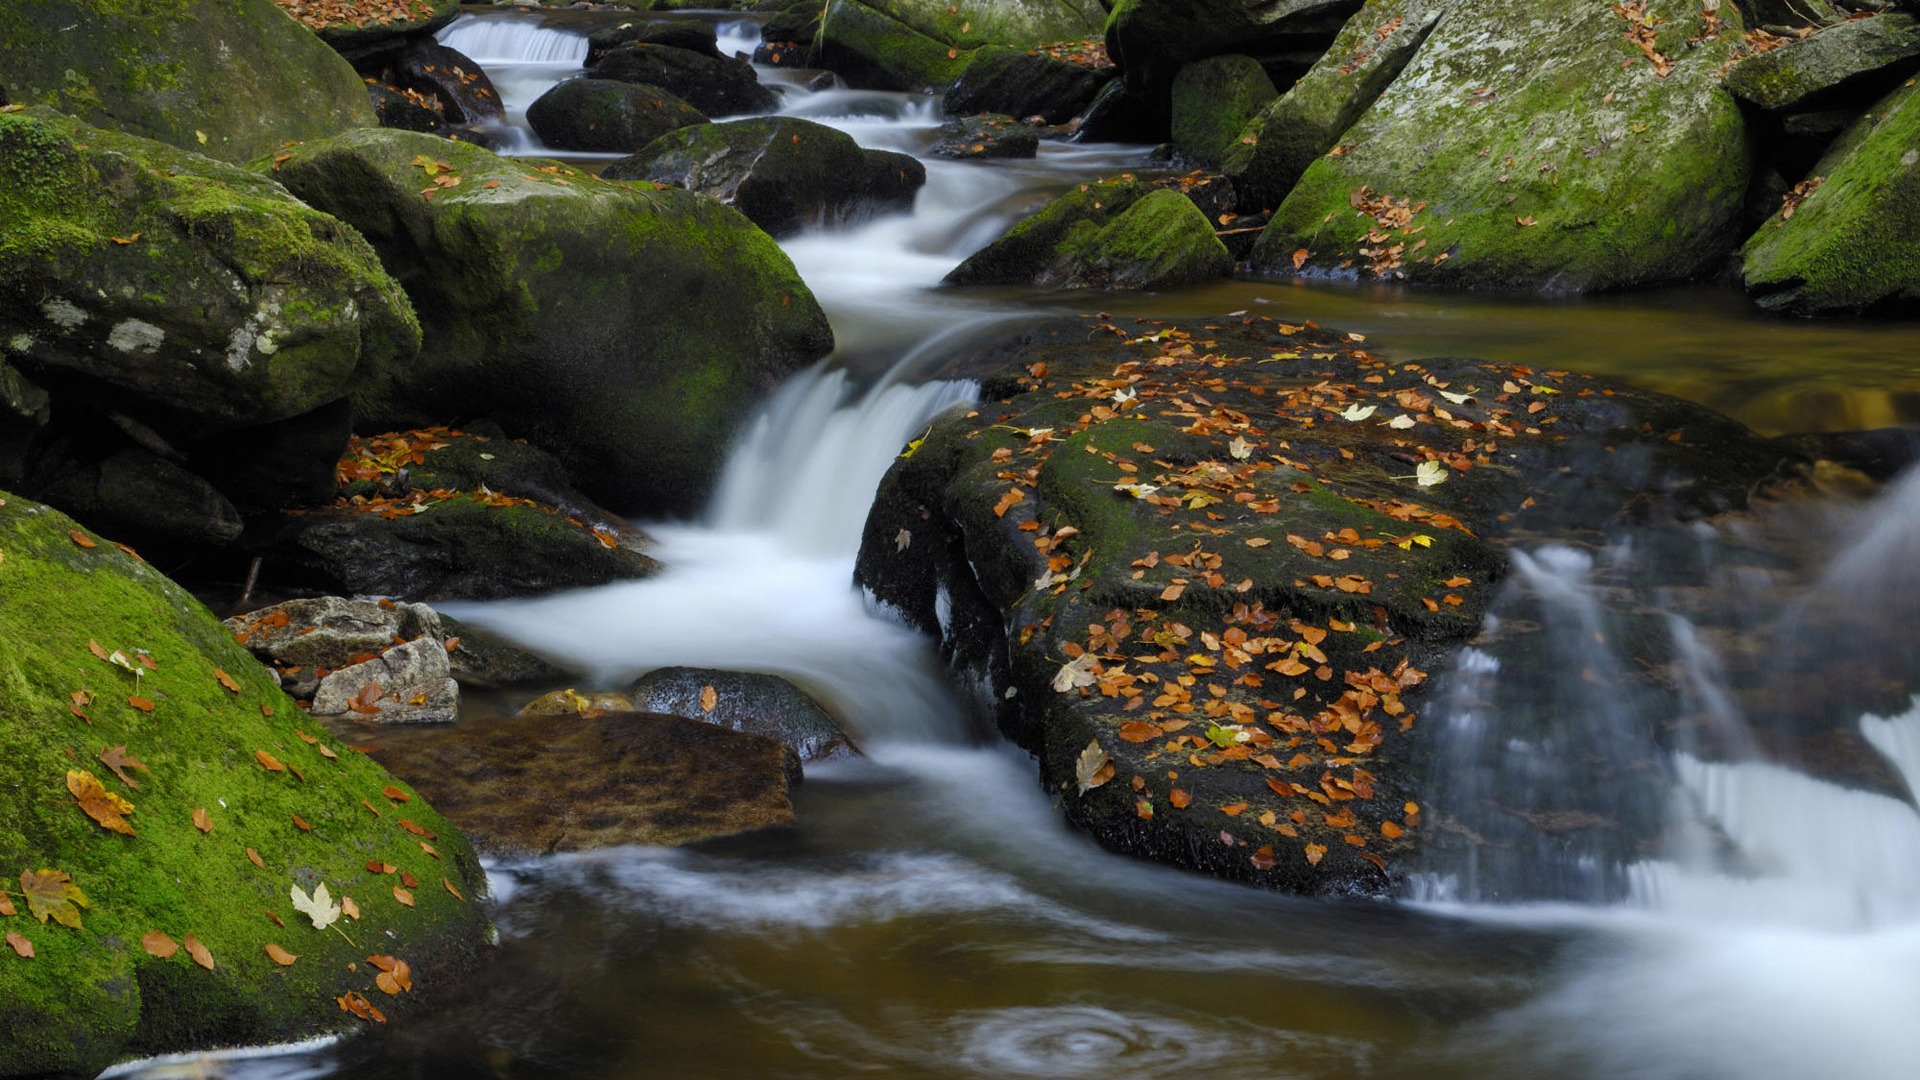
(932, 917)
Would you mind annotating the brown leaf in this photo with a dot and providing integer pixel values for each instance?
(300, 823)
(378, 867)
(1179, 798)
(428, 848)
(20, 945)
(395, 794)
(454, 891)
(117, 759)
(143, 704)
(407, 879)
(226, 680)
(280, 956)
(254, 858)
(204, 822)
(6, 906)
(1263, 858)
(268, 761)
(96, 649)
(1135, 731)
(1314, 853)
(403, 896)
(82, 540)
(101, 805)
(709, 699)
(199, 952)
(273, 918)
(158, 944)
(1300, 257)
(418, 830)
(348, 908)
(387, 983)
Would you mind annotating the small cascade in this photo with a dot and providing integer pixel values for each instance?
(498, 40)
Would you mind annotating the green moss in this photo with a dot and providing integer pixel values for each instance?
(92, 995)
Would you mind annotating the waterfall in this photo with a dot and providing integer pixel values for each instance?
(500, 40)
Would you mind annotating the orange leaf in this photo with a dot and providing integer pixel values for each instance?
(268, 761)
(709, 698)
(348, 908)
(1008, 501)
(395, 794)
(1391, 831)
(158, 944)
(81, 539)
(1314, 852)
(378, 867)
(1135, 731)
(1179, 798)
(254, 858)
(280, 956)
(143, 704)
(417, 830)
(1524, 222)
(20, 945)
(1172, 592)
(103, 806)
(226, 680)
(1234, 810)
(6, 906)
(454, 891)
(202, 821)
(1263, 858)
(199, 952)
(300, 823)
(403, 896)
(1300, 256)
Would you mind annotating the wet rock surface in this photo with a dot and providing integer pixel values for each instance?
(745, 701)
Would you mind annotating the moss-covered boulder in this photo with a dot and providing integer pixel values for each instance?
(1828, 61)
(180, 281)
(1204, 568)
(1611, 157)
(717, 86)
(927, 44)
(1028, 82)
(156, 770)
(1152, 40)
(1848, 246)
(229, 78)
(373, 29)
(1213, 99)
(1122, 233)
(627, 331)
(607, 116)
(1266, 158)
(784, 173)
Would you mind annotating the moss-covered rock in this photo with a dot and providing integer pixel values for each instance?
(607, 116)
(1104, 234)
(1849, 245)
(182, 282)
(717, 86)
(197, 714)
(627, 331)
(1610, 157)
(784, 173)
(1152, 40)
(1024, 83)
(1213, 99)
(1204, 568)
(1848, 52)
(229, 78)
(1266, 158)
(394, 27)
(926, 44)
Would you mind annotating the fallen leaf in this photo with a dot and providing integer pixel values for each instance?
(350, 909)
(280, 956)
(1314, 853)
(1357, 413)
(203, 822)
(1300, 256)
(143, 704)
(254, 858)
(117, 759)
(395, 794)
(20, 945)
(1093, 767)
(158, 944)
(1135, 731)
(199, 952)
(454, 891)
(402, 895)
(6, 906)
(1179, 798)
(300, 823)
(226, 680)
(1076, 673)
(268, 761)
(82, 540)
(709, 698)
(317, 906)
(1430, 473)
(103, 806)
(417, 830)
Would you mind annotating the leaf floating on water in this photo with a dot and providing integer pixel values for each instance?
(117, 759)
(103, 806)
(157, 944)
(1093, 767)
(198, 952)
(318, 906)
(20, 945)
(709, 698)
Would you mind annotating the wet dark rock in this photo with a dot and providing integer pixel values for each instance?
(437, 73)
(479, 660)
(1881, 453)
(1023, 83)
(137, 493)
(545, 784)
(23, 414)
(1124, 233)
(689, 34)
(361, 38)
(1276, 550)
(785, 174)
(715, 86)
(607, 116)
(1118, 114)
(746, 701)
(987, 136)
(396, 110)
(1152, 40)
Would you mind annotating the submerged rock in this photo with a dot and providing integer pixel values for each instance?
(575, 783)
(227, 798)
(1593, 165)
(784, 173)
(607, 116)
(231, 80)
(745, 701)
(927, 44)
(716, 86)
(1843, 242)
(627, 331)
(1204, 568)
(1120, 234)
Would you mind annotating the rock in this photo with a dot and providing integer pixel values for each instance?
(1022, 83)
(399, 648)
(627, 332)
(1847, 246)
(231, 80)
(1100, 236)
(1120, 115)
(699, 37)
(606, 116)
(794, 26)
(1193, 494)
(570, 702)
(785, 174)
(92, 995)
(437, 73)
(137, 493)
(715, 86)
(480, 661)
(746, 701)
(1266, 159)
(1213, 99)
(926, 44)
(546, 784)
(986, 137)
(183, 285)
(1787, 13)
(1828, 62)
(406, 684)
(1152, 40)
(1517, 188)
(288, 463)
(23, 413)
(396, 110)
(367, 35)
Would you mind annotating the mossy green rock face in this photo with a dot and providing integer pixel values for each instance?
(1206, 550)
(1025, 252)
(1266, 158)
(1847, 50)
(182, 280)
(1115, 234)
(1533, 146)
(1850, 245)
(926, 44)
(229, 78)
(1212, 101)
(92, 994)
(1152, 40)
(625, 330)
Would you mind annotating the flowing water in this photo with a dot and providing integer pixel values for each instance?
(932, 917)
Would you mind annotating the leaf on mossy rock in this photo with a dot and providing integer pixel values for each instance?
(199, 952)
(117, 759)
(280, 956)
(158, 943)
(20, 945)
(103, 806)
(51, 894)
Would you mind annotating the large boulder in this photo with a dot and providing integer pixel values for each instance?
(1611, 157)
(1152, 40)
(1844, 242)
(1213, 99)
(1204, 568)
(1266, 159)
(784, 173)
(1027, 82)
(715, 85)
(627, 331)
(694, 36)
(450, 80)
(927, 44)
(1122, 233)
(607, 116)
(368, 30)
(1828, 62)
(745, 701)
(168, 799)
(229, 78)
